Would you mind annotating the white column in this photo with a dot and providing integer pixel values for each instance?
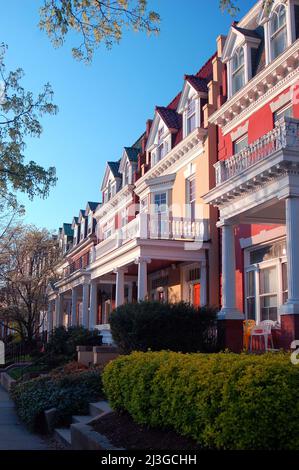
(203, 284)
(142, 278)
(292, 230)
(120, 287)
(229, 310)
(74, 306)
(59, 310)
(93, 305)
(85, 305)
(50, 317)
(130, 292)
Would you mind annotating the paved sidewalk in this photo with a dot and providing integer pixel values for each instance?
(13, 435)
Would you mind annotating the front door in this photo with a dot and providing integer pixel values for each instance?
(196, 295)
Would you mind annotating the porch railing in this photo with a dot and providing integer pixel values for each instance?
(285, 135)
(153, 227)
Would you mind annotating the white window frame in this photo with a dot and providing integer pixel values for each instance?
(238, 141)
(257, 267)
(237, 70)
(189, 181)
(272, 35)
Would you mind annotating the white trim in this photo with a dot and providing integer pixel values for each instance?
(283, 100)
(240, 131)
(263, 237)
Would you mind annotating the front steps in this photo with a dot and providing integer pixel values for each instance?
(97, 409)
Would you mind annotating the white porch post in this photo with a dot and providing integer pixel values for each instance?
(85, 305)
(229, 310)
(74, 306)
(203, 284)
(142, 278)
(93, 305)
(292, 231)
(59, 310)
(50, 317)
(120, 287)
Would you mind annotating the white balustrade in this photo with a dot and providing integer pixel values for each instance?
(284, 135)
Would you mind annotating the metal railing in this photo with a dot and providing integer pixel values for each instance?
(284, 135)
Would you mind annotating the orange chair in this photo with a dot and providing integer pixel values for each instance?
(248, 325)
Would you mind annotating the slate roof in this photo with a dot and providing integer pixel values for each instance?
(67, 228)
(172, 119)
(92, 205)
(247, 32)
(199, 84)
(132, 153)
(114, 167)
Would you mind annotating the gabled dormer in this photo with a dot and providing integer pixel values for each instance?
(76, 231)
(82, 222)
(240, 52)
(280, 20)
(166, 124)
(128, 165)
(112, 181)
(194, 96)
(65, 236)
(89, 214)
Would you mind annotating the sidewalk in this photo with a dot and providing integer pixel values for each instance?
(13, 435)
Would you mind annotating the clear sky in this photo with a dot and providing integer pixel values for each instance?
(104, 106)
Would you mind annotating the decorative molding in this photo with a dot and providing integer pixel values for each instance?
(240, 131)
(281, 101)
(262, 237)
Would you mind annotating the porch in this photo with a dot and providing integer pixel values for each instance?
(260, 185)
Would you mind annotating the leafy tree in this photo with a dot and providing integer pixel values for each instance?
(231, 6)
(97, 21)
(20, 113)
(28, 258)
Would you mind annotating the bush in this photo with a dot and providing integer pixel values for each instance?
(61, 347)
(69, 393)
(223, 401)
(158, 326)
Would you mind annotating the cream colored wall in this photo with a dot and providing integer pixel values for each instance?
(174, 286)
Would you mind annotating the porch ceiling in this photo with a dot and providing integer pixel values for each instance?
(271, 212)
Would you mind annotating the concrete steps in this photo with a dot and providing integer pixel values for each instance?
(98, 408)
(63, 435)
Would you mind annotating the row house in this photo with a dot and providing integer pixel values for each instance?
(257, 173)
(154, 237)
(69, 296)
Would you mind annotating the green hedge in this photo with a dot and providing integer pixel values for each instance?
(164, 326)
(223, 401)
(70, 394)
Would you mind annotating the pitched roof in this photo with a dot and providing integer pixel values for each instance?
(172, 119)
(114, 167)
(247, 32)
(92, 205)
(67, 228)
(132, 153)
(199, 84)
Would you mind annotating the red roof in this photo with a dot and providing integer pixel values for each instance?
(172, 119)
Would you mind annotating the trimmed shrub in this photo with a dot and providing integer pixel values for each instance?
(223, 401)
(61, 347)
(164, 326)
(69, 393)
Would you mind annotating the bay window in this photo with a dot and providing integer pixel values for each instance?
(278, 31)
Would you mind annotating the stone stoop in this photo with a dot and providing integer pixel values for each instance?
(64, 435)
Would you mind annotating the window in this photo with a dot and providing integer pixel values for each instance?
(287, 111)
(160, 203)
(124, 218)
(107, 233)
(240, 144)
(238, 70)
(268, 293)
(191, 198)
(90, 222)
(75, 234)
(82, 230)
(191, 116)
(278, 31)
(250, 299)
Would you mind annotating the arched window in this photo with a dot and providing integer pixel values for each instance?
(278, 31)
(238, 70)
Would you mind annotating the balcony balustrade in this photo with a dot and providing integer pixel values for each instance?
(155, 227)
(285, 135)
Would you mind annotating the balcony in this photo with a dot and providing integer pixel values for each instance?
(284, 137)
(155, 227)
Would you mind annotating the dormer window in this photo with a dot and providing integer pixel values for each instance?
(238, 70)
(75, 235)
(191, 116)
(90, 222)
(278, 28)
(82, 231)
(127, 174)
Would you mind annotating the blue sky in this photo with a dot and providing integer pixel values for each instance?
(103, 107)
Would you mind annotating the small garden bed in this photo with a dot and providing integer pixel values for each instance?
(123, 432)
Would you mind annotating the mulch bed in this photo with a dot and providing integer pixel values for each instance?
(121, 431)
